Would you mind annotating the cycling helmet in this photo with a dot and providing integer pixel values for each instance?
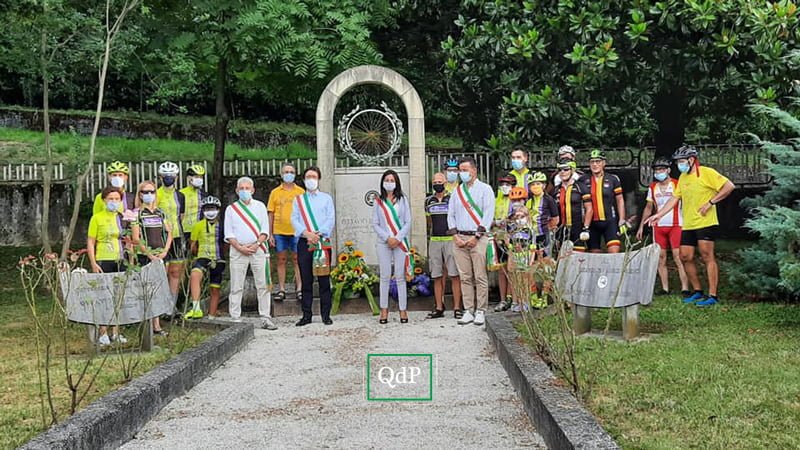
(538, 177)
(169, 168)
(567, 165)
(597, 154)
(196, 170)
(661, 163)
(518, 193)
(507, 179)
(566, 149)
(451, 164)
(117, 166)
(210, 202)
(685, 152)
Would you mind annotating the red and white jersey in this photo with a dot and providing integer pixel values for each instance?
(660, 196)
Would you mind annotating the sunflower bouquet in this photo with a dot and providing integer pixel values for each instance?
(352, 276)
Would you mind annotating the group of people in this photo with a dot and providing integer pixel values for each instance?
(464, 217)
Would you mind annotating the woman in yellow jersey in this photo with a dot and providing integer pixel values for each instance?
(172, 203)
(209, 247)
(193, 195)
(105, 248)
(152, 235)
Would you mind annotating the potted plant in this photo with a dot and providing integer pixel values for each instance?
(351, 277)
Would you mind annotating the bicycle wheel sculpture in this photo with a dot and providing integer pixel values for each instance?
(370, 136)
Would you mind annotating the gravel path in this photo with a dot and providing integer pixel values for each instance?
(304, 387)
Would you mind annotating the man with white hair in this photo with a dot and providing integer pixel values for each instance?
(247, 231)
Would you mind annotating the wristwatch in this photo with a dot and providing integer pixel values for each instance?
(711, 202)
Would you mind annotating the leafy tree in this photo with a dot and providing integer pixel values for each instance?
(771, 267)
(267, 48)
(621, 72)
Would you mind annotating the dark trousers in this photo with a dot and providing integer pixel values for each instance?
(305, 261)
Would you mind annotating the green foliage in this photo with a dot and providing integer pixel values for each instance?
(771, 267)
(597, 72)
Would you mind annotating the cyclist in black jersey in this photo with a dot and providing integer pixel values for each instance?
(608, 205)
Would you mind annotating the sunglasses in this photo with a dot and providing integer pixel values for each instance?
(148, 192)
(565, 169)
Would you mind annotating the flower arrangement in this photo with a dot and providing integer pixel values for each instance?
(419, 284)
(351, 276)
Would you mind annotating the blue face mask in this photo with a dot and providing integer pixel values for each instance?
(517, 164)
(660, 176)
(148, 198)
(288, 178)
(465, 176)
(112, 205)
(245, 196)
(683, 167)
(452, 176)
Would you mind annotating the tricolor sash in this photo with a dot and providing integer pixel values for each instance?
(254, 225)
(469, 203)
(304, 206)
(390, 213)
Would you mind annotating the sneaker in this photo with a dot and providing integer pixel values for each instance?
(504, 306)
(103, 340)
(189, 315)
(537, 302)
(711, 300)
(267, 324)
(697, 296)
(466, 318)
(516, 308)
(119, 339)
(480, 318)
(236, 320)
(198, 313)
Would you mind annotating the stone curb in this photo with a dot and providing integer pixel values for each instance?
(558, 416)
(113, 419)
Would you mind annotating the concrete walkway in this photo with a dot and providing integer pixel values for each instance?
(303, 387)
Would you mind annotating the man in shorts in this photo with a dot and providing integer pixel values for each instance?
(283, 240)
(608, 205)
(440, 249)
(699, 190)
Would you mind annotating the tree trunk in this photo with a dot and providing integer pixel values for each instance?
(221, 125)
(670, 116)
(48, 170)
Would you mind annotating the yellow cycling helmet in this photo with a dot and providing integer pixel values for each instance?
(117, 166)
(538, 177)
(196, 170)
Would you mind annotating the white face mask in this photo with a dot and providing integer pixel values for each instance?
(211, 214)
(389, 187)
(117, 182)
(505, 189)
(197, 182)
(311, 184)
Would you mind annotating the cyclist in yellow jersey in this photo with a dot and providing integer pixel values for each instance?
(193, 194)
(502, 209)
(519, 166)
(699, 190)
(118, 178)
(105, 248)
(451, 174)
(172, 203)
(208, 245)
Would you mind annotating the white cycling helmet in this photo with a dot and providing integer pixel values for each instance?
(169, 168)
(564, 149)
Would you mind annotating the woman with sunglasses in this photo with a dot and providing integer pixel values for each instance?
(152, 233)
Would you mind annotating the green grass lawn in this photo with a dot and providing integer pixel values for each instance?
(722, 377)
(20, 414)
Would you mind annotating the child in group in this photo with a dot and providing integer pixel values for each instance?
(207, 242)
(521, 247)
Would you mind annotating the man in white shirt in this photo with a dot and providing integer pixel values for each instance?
(247, 230)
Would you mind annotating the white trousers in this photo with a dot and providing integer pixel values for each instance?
(392, 262)
(238, 268)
